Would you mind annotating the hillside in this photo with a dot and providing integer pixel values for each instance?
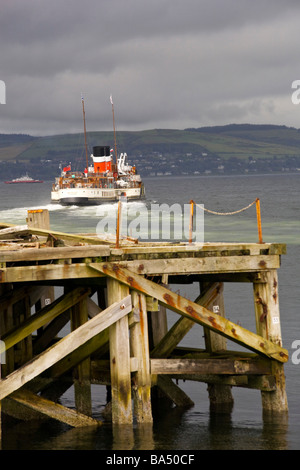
(221, 149)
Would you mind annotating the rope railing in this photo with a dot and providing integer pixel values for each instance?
(258, 215)
(226, 213)
(192, 204)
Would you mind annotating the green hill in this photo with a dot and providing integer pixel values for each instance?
(207, 148)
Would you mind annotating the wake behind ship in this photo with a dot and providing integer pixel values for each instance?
(102, 182)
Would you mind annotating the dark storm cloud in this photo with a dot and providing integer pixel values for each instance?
(168, 63)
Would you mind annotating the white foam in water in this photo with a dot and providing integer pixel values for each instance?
(19, 214)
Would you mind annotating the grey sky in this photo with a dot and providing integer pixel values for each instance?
(167, 63)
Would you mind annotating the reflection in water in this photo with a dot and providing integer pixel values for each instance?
(173, 428)
(275, 430)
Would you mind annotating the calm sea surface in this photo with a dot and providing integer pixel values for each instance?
(196, 428)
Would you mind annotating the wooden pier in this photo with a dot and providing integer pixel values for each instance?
(115, 298)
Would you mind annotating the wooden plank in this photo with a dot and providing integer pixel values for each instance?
(173, 392)
(14, 232)
(75, 238)
(64, 347)
(210, 366)
(37, 254)
(259, 382)
(218, 247)
(53, 410)
(70, 237)
(50, 272)
(42, 317)
(193, 311)
(218, 264)
(175, 266)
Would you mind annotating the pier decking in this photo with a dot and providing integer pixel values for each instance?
(121, 340)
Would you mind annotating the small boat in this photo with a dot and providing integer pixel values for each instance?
(23, 179)
(107, 180)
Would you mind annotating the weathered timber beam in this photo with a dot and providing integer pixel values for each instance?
(259, 382)
(65, 346)
(218, 247)
(47, 272)
(42, 317)
(210, 366)
(37, 254)
(70, 237)
(64, 236)
(183, 325)
(213, 264)
(173, 392)
(13, 232)
(183, 352)
(53, 410)
(195, 312)
(175, 266)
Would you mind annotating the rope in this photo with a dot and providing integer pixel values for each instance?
(226, 213)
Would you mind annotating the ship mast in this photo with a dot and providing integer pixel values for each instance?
(115, 139)
(86, 151)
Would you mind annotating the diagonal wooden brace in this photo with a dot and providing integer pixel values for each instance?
(65, 346)
(195, 312)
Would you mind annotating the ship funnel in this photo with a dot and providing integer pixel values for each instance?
(102, 159)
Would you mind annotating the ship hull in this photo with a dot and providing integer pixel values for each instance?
(88, 197)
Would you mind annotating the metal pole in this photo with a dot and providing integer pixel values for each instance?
(115, 139)
(191, 221)
(118, 224)
(258, 215)
(86, 152)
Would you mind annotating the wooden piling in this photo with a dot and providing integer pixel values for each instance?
(268, 326)
(139, 341)
(38, 218)
(119, 359)
(220, 396)
(82, 373)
